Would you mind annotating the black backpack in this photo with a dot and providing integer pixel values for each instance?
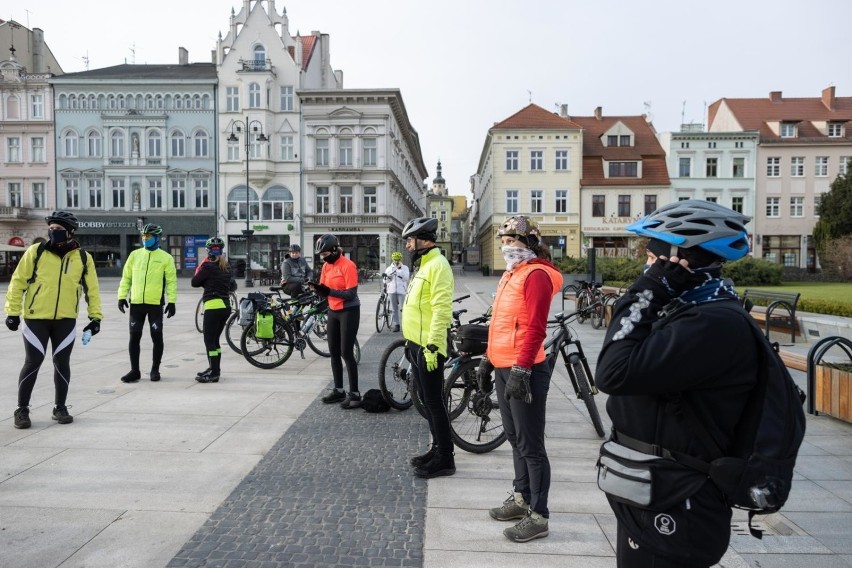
(83, 258)
(757, 473)
(373, 401)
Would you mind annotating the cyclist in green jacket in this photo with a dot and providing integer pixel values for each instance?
(149, 275)
(45, 289)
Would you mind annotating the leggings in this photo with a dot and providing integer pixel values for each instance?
(61, 333)
(430, 385)
(214, 323)
(342, 328)
(138, 313)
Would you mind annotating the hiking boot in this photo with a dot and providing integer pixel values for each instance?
(423, 459)
(513, 508)
(334, 396)
(60, 414)
(155, 375)
(131, 377)
(353, 400)
(441, 464)
(22, 418)
(208, 378)
(531, 527)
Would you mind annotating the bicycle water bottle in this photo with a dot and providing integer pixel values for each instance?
(87, 336)
(309, 325)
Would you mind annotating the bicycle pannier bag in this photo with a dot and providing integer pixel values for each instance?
(246, 312)
(264, 322)
(473, 339)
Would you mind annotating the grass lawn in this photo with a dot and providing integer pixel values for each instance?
(828, 291)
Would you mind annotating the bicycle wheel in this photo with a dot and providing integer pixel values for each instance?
(480, 429)
(458, 395)
(235, 303)
(582, 303)
(597, 315)
(381, 314)
(267, 353)
(586, 393)
(199, 316)
(388, 312)
(233, 332)
(395, 375)
(318, 337)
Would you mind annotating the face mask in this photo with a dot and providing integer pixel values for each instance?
(332, 258)
(214, 252)
(516, 255)
(149, 243)
(57, 236)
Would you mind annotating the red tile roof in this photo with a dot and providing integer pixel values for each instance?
(533, 117)
(308, 43)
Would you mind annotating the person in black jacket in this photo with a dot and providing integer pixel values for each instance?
(215, 277)
(673, 343)
(295, 272)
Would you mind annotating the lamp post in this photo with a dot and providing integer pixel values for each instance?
(249, 127)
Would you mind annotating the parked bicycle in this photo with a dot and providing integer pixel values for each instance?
(565, 343)
(589, 296)
(199, 311)
(383, 308)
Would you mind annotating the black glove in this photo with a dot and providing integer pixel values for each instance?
(518, 384)
(674, 277)
(320, 289)
(483, 375)
(94, 326)
(12, 322)
(170, 310)
(123, 304)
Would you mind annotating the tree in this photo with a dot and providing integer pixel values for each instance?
(835, 213)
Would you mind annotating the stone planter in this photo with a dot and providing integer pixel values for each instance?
(834, 391)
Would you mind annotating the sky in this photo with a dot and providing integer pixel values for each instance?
(463, 65)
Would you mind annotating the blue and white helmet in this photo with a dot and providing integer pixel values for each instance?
(696, 223)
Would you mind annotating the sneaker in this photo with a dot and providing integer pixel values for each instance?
(423, 459)
(155, 375)
(334, 396)
(208, 378)
(531, 527)
(131, 377)
(353, 400)
(395, 328)
(513, 508)
(441, 464)
(206, 371)
(60, 414)
(22, 418)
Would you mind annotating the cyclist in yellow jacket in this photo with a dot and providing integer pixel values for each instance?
(150, 277)
(45, 289)
(426, 317)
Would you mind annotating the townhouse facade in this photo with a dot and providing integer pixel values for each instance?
(531, 164)
(458, 227)
(713, 166)
(804, 143)
(26, 139)
(440, 207)
(624, 177)
(137, 144)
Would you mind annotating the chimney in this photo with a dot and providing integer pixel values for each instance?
(213, 56)
(38, 51)
(775, 96)
(598, 113)
(828, 97)
(563, 111)
(183, 56)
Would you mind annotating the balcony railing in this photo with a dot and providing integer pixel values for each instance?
(254, 65)
(10, 213)
(347, 219)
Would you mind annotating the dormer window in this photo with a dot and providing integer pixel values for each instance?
(835, 129)
(618, 140)
(788, 130)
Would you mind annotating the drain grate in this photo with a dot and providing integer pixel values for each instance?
(740, 528)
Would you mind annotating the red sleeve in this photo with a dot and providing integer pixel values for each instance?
(538, 291)
(350, 276)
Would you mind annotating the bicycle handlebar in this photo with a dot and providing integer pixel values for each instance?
(564, 317)
(461, 298)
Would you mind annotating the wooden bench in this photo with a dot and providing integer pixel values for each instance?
(794, 360)
(781, 308)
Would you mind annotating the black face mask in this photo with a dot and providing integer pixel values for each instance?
(57, 236)
(332, 258)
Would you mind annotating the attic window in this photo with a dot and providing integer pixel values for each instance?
(618, 140)
(835, 129)
(788, 130)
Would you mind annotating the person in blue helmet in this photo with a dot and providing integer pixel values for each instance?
(677, 338)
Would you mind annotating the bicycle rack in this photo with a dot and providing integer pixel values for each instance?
(815, 355)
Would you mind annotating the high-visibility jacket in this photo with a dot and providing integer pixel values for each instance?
(510, 317)
(428, 309)
(147, 275)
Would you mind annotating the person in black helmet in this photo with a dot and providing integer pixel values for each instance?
(295, 271)
(679, 336)
(426, 317)
(48, 282)
(339, 283)
(149, 276)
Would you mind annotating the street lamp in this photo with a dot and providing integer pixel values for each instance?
(251, 127)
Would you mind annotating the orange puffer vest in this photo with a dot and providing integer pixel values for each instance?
(510, 318)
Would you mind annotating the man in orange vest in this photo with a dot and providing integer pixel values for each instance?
(515, 349)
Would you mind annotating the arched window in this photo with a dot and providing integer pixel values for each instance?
(254, 95)
(155, 144)
(69, 143)
(63, 101)
(84, 102)
(277, 204)
(345, 144)
(13, 107)
(158, 102)
(178, 144)
(93, 102)
(237, 203)
(116, 144)
(149, 102)
(111, 102)
(205, 102)
(259, 57)
(93, 144)
(122, 103)
(196, 102)
(178, 102)
(72, 102)
(201, 140)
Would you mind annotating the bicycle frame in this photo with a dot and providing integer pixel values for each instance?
(567, 345)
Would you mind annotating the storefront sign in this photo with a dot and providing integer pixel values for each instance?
(191, 248)
(107, 225)
(260, 227)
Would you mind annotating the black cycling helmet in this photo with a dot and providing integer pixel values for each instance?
(421, 227)
(64, 218)
(151, 229)
(326, 243)
(295, 248)
(214, 242)
(696, 223)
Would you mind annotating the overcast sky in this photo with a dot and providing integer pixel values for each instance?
(463, 65)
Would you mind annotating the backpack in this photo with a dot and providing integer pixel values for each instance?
(373, 401)
(83, 258)
(757, 473)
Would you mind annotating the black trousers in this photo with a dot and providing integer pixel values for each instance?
(214, 325)
(342, 328)
(430, 385)
(36, 333)
(631, 555)
(524, 425)
(138, 313)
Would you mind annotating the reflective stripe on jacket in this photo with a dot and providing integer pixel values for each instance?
(428, 308)
(510, 318)
(146, 275)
